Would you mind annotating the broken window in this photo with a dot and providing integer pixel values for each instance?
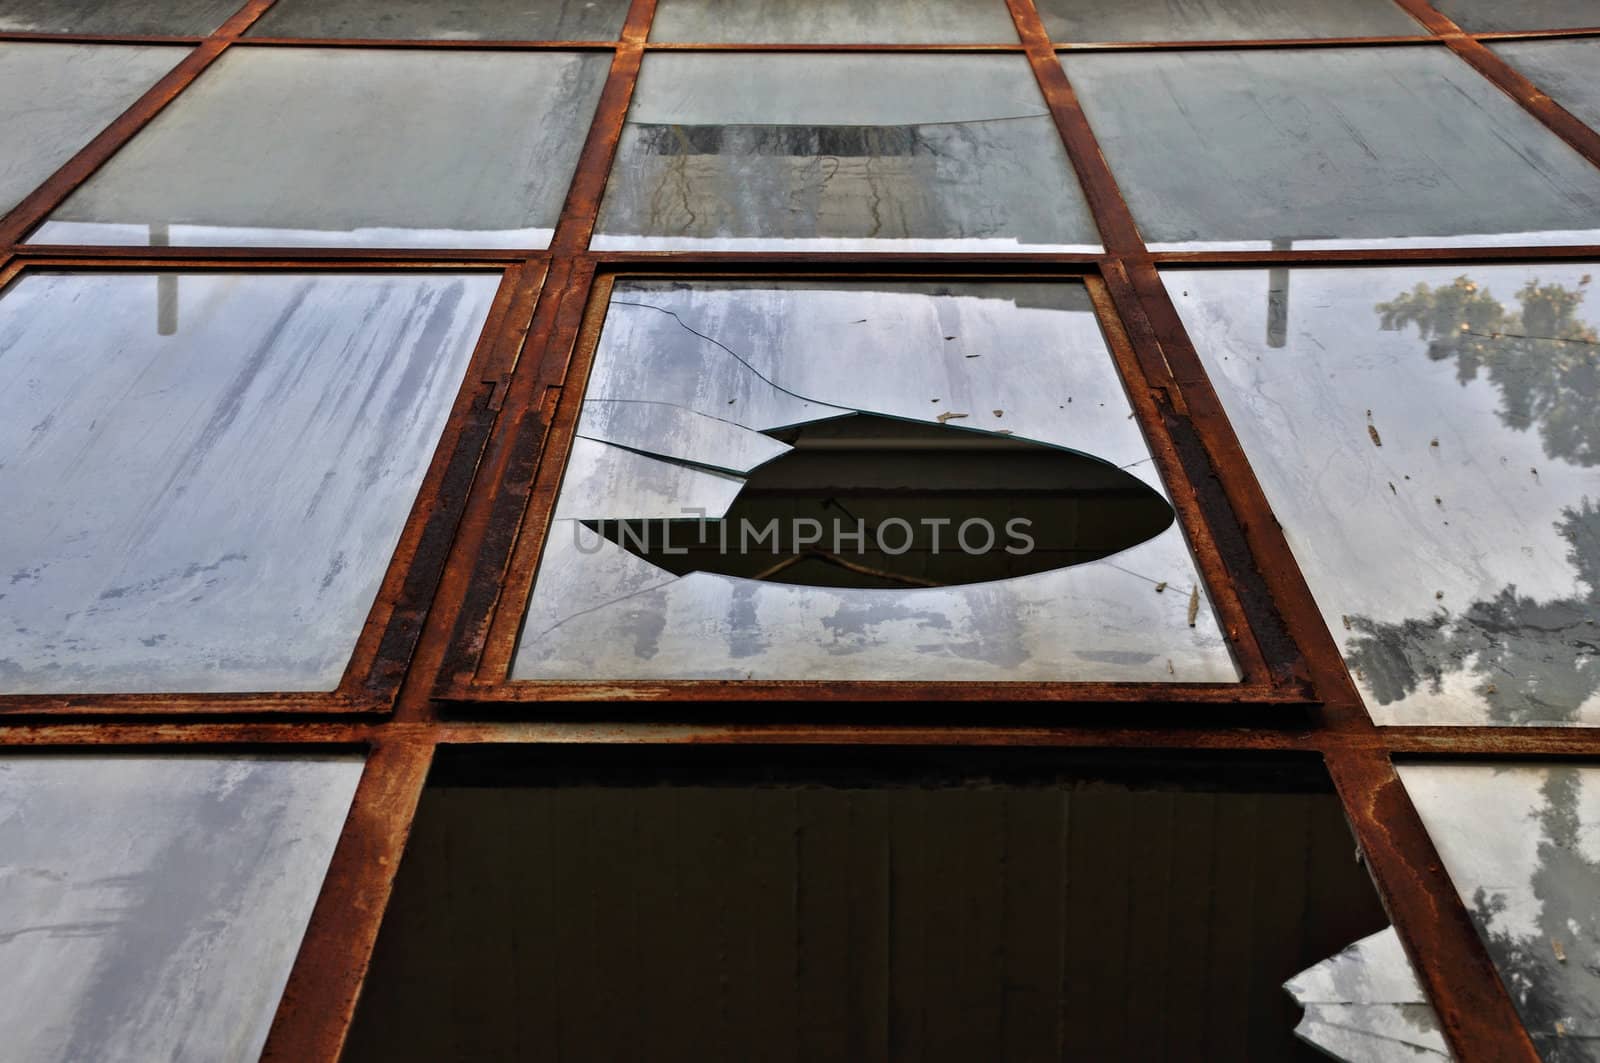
(1365, 1005)
(366, 148)
(1429, 438)
(1330, 147)
(151, 905)
(863, 480)
(1522, 845)
(841, 152)
(205, 474)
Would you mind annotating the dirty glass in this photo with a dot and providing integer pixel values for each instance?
(1564, 70)
(1365, 1005)
(834, 22)
(205, 475)
(1522, 845)
(853, 477)
(1487, 16)
(180, 18)
(1330, 147)
(54, 98)
(784, 152)
(1221, 20)
(507, 20)
(151, 906)
(1429, 438)
(303, 147)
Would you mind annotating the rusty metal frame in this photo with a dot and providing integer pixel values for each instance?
(455, 587)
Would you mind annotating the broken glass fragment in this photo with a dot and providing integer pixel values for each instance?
(910, 409)
(1366, 1006)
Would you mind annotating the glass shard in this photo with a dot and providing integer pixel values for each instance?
(1330, 147)
(841, 152)
(1429, 438)
(86, 86)
(1366, 1006)
(206, 475)
(1522, 845)
(360, 147)
(152, 906)
(966, 395)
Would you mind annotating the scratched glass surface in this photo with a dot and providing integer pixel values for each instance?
(786, 152)
(54, 98)
(1430, 439)
(459, 20)
(834, 22)
(1522, 845)
(151, 906)
(1330, 147)
(1564, 70)
(329, 147)
(1221, 20)
(1487, 16)
(181, 18)
(733, 361)
(206, 475)
(1365, 1005)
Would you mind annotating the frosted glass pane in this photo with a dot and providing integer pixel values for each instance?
(54, 98)
(1522, 844)
(1429, 438)
(1564, 70)
(1078, 21)
(178, 18)
(1330, 147)
(206, 475)
(834, 22)
(982, 376)
(1485, 16)
(151, 906)
(302, 147)
(501, 20)
(790, 152)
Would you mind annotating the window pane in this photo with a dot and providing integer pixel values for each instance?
(986, 384)
(206, 475)
(1564, 70)
(183, 18)
(1429, 439)
(299, 147)
(1484, 16)
(835, 152)
(1336, 147)
(152, 906)
(1221, 20)
(86, 86)
(506, 20)
(834, 22)
(985, 912)
(1519, 841)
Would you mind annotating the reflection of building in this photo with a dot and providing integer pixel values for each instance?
(343, 345)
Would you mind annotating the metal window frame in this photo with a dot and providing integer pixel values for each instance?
(434, 600)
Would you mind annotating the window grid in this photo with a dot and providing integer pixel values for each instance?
(516, 412)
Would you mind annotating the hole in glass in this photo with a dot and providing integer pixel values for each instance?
(867, 501)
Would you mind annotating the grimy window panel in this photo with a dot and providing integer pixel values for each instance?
(1563, 70)
(1221, 20)
(807, 152)
(151, 904)
(328, 147)
(834, 22)
(178, 18)
(206, 475)
(54, 98)
(528, 20)
(1485, 16)
(876, 405)
(1330, 147)
(1429, 438)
